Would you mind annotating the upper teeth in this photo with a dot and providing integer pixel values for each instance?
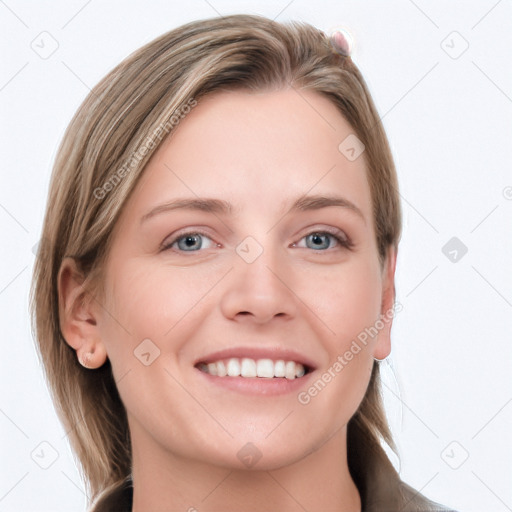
(246, 367)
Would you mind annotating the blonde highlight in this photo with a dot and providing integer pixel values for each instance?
(135, 99)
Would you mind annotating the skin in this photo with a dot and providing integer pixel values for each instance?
(259, 152)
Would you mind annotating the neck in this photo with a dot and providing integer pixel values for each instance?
(320, 481)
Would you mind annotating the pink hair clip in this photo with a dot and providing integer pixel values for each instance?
(341, 42)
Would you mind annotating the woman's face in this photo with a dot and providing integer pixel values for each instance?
(257, 267)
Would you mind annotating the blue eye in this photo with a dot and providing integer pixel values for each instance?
(194, 241)
(320, 240)
(189, 242)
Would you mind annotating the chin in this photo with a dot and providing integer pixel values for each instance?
(259, 455)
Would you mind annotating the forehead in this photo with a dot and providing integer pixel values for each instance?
(255, 149)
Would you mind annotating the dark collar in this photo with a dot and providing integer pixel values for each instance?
(121, 500)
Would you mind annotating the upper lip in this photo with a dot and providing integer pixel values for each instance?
(274, 353)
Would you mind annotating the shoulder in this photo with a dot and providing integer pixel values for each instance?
(414, 501)
(117, 498)
(386, 494)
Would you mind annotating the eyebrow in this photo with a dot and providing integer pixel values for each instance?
(220, 207)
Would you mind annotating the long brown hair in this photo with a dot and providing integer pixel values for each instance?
(120, 119)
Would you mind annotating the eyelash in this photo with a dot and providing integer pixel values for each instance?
(344, 242)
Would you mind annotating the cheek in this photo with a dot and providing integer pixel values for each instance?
(148, 319)
(135, 312)
(151, 302)
(347, 301)
(138, 296)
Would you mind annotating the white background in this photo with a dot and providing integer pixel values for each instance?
(449, 121)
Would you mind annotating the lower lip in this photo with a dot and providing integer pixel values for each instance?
(258, 385)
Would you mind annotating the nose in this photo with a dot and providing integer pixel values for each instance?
(259, 291)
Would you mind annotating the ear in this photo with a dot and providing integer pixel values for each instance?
(78, 316)
(383, 346)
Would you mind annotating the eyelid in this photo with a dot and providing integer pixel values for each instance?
(328, 229)
(341, 237)
(182, 233)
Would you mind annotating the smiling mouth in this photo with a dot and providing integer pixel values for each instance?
(254, 368)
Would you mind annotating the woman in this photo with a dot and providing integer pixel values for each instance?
(221, 236)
